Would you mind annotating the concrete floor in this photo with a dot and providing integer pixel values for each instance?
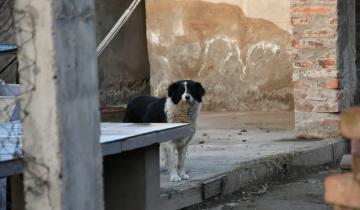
(223, 140)
(226, 141)
(246, 120)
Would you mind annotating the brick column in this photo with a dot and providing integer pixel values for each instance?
(319, 63)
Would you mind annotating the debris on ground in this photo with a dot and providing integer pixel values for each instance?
(263, 189)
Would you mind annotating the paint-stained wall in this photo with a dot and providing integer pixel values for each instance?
(239, 50)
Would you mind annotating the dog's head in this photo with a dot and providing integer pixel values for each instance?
(186, 91)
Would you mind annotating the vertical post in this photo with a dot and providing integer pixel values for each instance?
(58, 77)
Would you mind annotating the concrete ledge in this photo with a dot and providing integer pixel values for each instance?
(256, 171)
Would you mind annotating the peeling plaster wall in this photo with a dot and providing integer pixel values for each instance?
(238, 51)
(275, 11)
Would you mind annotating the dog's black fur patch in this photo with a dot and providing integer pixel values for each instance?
(145, 109)
(149, 109)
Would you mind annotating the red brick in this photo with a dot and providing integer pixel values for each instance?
(313, 10)
(307, 44)
(328, 1)
(328, 54)
(295, 56)
(321, 94)
(300, 21)
(328, 63)
(298, 84)
(322, 33)
(304, 64)
(314, 43)
(330, 84)
(299, 95)
(300, 1)
(331, 123)
(305, 107)
(294, 2)
(316, 74)
(327, 107)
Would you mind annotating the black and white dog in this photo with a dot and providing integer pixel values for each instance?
(182, 105)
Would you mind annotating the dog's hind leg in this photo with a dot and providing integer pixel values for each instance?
(181, 161)
(170, 160)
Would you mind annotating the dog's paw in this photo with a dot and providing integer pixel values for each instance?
(184, 176)
(175, 179)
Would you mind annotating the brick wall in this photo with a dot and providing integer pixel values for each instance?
(322, 61)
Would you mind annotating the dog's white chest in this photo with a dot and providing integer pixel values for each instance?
(182, 112)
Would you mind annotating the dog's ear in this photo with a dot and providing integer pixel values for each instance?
(173, 93)
(200, 89)
(172, 89)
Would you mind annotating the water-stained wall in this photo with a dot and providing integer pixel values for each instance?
(239, 50)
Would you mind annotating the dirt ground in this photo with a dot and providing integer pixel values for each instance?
(305, 192)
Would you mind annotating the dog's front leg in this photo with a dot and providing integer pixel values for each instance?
(182, 150)
(170, 161)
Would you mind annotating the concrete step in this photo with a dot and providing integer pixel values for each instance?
(223, 170)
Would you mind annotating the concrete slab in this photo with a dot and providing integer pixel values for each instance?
(346, 162)
(234, 150)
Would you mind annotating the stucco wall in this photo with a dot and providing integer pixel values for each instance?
(239, 50)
